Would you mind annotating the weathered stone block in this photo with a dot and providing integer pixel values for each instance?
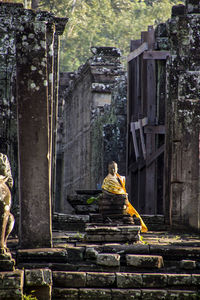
(195, 279)
(129, 280)
(11, 280)
(126, 249)
(181, 295)
(39, 277)
(109, 260)
(192, 6)
(178, 10)
(69, 279)
(188, 264)
(189, 86)
(75, 253)
(7, 265)
(100, 279)
(179, 279)
(42, 254)
(126, 294)
(144, 261)
(69, 294)
(8, 294)
(91, 253)
(91, 294)
(153, 294)
(113, 233)
(154, 280)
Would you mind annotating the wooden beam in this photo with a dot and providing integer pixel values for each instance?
(156, 54)
(155, 155)
(157, 129)
(142, 139)
(134, 141)
(137, 52)
(143, 121)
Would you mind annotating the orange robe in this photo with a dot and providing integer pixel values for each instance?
(116, 185)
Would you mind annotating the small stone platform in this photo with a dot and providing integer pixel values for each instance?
(109, 233)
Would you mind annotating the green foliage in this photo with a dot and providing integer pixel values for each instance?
(103, 23)
(29, 297)
(92, 199)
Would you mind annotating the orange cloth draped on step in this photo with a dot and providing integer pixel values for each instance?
(116, 185)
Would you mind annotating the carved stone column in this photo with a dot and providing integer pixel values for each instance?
(33, 132)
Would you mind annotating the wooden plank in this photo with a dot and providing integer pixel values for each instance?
(151, 180)
(137, 52)
(134, 141)
(151, 38)
(128, 118)
(155, 155)
(144, 122)
(142, 139)
(156, 55)
(157, 129)
(144, 36)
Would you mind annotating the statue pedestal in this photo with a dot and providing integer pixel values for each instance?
(112, 207)
(7, 263)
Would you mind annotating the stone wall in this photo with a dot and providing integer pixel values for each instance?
(183, 116)
(87, 111)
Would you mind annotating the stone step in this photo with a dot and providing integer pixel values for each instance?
(125, 280)
(94, 285)
(119, 294)
(86, 214)
(81, 256)
(45, 255)
(70, 222)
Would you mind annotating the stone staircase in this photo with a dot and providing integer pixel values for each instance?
(91, 260)
(165, 267)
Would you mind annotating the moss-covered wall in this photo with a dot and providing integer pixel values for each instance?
(183, 116)
(87, 109)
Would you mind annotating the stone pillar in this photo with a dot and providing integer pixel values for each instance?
(59, 26)
(183, 115)
(34, 156)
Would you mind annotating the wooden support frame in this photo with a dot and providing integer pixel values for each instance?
(145, 133)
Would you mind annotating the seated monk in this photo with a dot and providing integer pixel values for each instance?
(115, 184)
